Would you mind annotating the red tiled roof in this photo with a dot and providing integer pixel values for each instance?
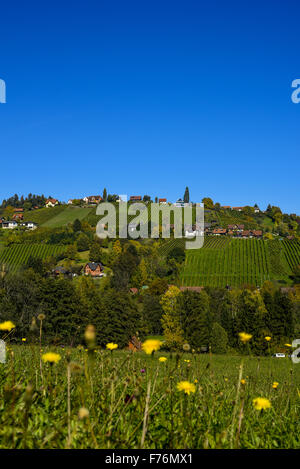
(51, 200)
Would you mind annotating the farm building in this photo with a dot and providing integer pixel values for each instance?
(18, 216)
(135, 198)
(95, 269)
(92, 199)
(219, 231)
(30, 225)
(51, 202)
(9, 224)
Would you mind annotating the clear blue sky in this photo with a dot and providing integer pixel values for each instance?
(147, 97)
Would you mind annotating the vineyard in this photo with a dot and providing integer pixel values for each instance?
(15, 256)
(235, 262)
(43, 215)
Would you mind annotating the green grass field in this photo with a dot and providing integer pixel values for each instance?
(42, 215)
(104, 400)
(17, 255)
(225, 261)
(68, 215)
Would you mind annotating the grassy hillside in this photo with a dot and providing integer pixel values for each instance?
(42, 215)
(225, 261)
(17, 255)
(68, 215)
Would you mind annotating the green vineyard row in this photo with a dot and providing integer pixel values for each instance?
(236, 262)
(16, 255)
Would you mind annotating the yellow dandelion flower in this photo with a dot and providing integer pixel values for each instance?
(51, 357)
(261, 403)
(275, 385)
(151, 345)
(288, 345)
(24, 339)
(243, 381)
(186, 387)
(90, 333)
(111, 346)
(195, 381)
(244, 337)
(162, 359)
(7, 326)
(268, 338)
(83, 413)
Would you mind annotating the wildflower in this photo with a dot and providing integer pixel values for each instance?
(187, 361)
(24, 339)
(195, 381)
(143, 370)
(288, 345)
(111, 346)
(261, 403)
(244, 337)
(243, 381)
(7, 326)
(151, 346)
(268, 338)
(90, 333)
(41, 317)
(51, 357)
(186, 386)
(275, 385)
(162, 359)
(186, 347)
(83, 413)
(225, 379)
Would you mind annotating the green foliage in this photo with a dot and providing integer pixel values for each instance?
(194, 317)
(178, 254)
(76, 225)
(186, 197)
(219, 339)
(125, 267)
(83, 242)
(171, 322)
(95, 252)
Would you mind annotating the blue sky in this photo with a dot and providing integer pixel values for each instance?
(148, 97)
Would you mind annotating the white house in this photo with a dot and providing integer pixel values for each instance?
(30, 225)
(10, 224)
(51, 202)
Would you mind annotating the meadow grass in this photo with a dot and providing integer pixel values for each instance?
(121, 399)
(68, 215)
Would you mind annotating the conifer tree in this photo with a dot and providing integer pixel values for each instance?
(186, 197)
(171, 318)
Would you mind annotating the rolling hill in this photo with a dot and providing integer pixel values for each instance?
(234, 262)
